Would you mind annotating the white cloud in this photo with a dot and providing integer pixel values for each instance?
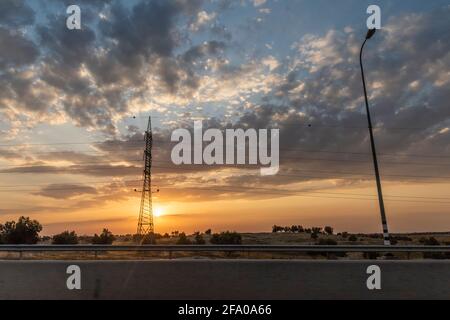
(270, 62)
(203, 18)
(258, 3)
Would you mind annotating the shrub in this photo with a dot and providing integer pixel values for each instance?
(226, 238)
(65, 237)
(330, 242)
(149, 238)
(45, 238)
(352, 238)
(182, 239)
(24, 231)
(314, 235)
(432, 241)
(106, 237)
(327, 242)
(208, 232)
(402, 238)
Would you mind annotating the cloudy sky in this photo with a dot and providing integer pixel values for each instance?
(74, 105)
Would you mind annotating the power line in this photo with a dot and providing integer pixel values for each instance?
(113, 145)
(301, 194)
(53, 169)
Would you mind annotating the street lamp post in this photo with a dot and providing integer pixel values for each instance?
(386, 237)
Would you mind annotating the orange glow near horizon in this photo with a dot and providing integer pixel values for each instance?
(258, 215)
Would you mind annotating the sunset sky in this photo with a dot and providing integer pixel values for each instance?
(74, 106)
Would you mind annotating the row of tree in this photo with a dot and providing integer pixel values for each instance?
(300, 229)
(66, 237)
(26, 231)
(226, 237)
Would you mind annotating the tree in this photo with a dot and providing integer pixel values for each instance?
(328, 230)
(199, 239)
(294, 229)
(352, 238)
(276, 229)
(182, 239)
(226, 238)
(208, 232)
(106, 237)
(24, 231)
(65, 237)
(316, 230)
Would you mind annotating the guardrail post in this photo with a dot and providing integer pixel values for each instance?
(20, 255)
(95, 254)
(170, 254)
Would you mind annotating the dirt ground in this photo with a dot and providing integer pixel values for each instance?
(249, 239)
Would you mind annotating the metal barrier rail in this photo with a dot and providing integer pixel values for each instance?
(225, 248)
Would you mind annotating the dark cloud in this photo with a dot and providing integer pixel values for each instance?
(81, 3)
(15, 13)
(16, 50)
(91, 74)
(66, 46)
(98, 170)
(148, 29)
(65, 191)
(10, 154)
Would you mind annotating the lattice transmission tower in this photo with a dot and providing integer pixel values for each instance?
(145, 222)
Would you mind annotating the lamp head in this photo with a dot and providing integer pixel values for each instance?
(370, 33)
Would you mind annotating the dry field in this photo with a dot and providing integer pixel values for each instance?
(247, 238)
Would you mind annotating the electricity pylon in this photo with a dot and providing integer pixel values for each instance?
(145, 222)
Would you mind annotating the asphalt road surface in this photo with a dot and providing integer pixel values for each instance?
(225, 279)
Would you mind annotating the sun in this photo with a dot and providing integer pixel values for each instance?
(158, 212)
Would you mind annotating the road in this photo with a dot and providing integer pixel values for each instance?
(223, 279)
